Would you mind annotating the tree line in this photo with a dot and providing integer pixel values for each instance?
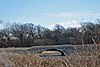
(28, 34)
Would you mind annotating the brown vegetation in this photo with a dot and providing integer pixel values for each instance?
(78, 59)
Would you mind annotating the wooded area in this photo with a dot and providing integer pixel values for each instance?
(28, 34)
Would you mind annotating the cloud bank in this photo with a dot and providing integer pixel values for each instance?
(67, 24)
(73, 19)
(74, 14)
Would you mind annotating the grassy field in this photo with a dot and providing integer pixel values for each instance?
(78, 59)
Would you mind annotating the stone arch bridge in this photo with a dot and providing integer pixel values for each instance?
(64, 49)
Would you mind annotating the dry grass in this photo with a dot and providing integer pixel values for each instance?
(79, 59)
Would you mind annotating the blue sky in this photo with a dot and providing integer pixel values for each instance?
(68, 13)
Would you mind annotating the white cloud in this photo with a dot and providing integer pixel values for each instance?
(73, 19)
(72, 23)
(74, 15)
(67, 24)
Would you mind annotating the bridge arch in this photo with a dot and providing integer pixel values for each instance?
(62, 53)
